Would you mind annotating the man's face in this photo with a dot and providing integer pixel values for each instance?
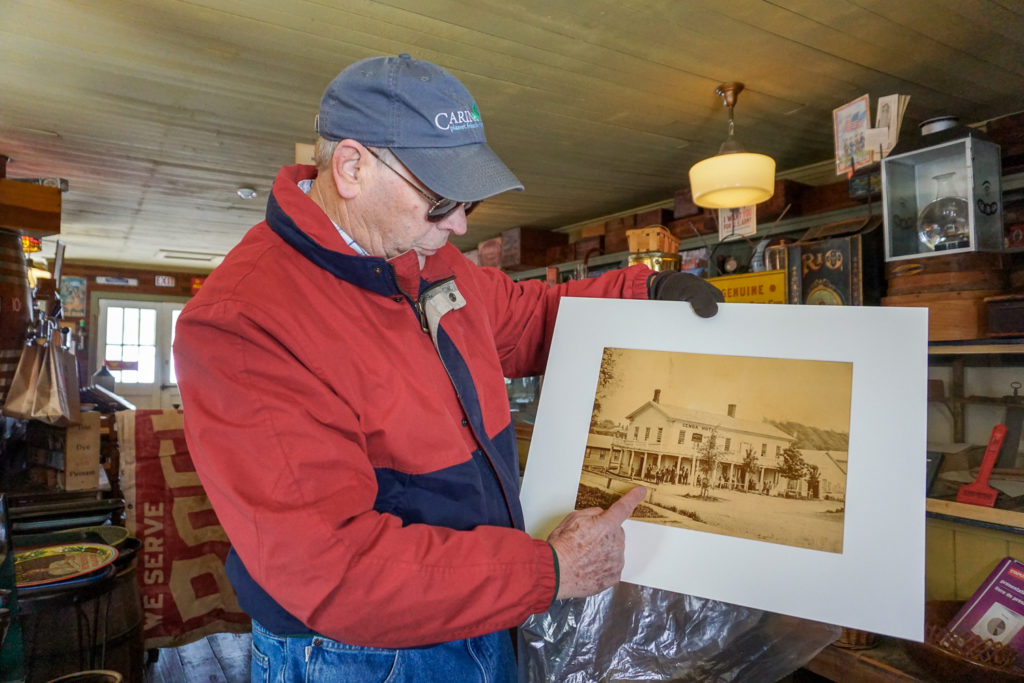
(403, 223)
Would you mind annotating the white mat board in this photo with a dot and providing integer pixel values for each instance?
(876, 582)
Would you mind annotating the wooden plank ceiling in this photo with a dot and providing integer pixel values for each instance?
(157, 111)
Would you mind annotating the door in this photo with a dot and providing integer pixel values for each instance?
(135, 340)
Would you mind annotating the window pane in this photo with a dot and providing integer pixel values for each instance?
(147, 365)
(147, 327)
(131, 326)
(115, 322)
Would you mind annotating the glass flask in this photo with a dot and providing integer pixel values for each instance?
(944, 224)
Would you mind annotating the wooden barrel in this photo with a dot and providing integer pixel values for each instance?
(101, 631)
(15, 306)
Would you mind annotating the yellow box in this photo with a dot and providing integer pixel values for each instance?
(768, 287)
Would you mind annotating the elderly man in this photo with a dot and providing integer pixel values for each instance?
(342, 374)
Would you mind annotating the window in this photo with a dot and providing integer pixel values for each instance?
(658, 438)
(131, 343)
(711, 443)
(682, 435)
(647, 434)
(764, 449)
(778, 451)
(135, 339)
(728, 442)
(636, 433)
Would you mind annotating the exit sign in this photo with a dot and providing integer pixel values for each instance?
(164, 281)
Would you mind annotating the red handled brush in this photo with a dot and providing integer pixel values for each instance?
(979, 492)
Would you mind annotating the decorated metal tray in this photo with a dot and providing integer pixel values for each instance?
(49, 564)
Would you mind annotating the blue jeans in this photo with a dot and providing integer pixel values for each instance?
(280, 659)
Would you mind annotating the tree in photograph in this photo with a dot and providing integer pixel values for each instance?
(792, 466)
(813, 481)
(748, 467)
(607, 383)
(708, 456)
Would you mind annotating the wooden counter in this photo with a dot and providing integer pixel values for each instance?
(885, 663)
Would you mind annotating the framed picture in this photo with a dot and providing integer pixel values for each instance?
(780, 446)
(73, 297)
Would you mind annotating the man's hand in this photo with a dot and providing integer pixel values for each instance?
(590, 546)
(670, 285)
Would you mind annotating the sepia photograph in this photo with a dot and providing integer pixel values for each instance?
(742, 446)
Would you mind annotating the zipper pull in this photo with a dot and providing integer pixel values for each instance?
(421, 309)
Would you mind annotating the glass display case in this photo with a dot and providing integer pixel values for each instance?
(943, 199)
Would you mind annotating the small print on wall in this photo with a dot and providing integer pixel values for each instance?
(73, 296)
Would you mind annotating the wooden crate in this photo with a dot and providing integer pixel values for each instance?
(1005, 315)
(694, 226)
(588, 246)
(952, 316)
(523, 247)
(652, 217)
(615, 234)
(787, 193)
(682, 204)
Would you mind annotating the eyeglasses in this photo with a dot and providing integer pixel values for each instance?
(440, 207)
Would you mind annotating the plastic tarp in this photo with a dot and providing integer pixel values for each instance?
(637, 633)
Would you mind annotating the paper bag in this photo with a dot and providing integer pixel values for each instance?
(21, 395)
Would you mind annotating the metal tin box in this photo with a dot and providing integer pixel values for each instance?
(967, 171)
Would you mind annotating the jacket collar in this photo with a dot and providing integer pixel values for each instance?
(318, 240)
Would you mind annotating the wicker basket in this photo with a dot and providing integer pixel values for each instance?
(652, 238)
(853, 639)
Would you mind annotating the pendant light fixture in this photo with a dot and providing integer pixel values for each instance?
(734, 177)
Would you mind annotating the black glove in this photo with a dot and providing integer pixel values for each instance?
(669, 285)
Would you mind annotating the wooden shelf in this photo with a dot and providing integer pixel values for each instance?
(1004, 520)
(977, 348)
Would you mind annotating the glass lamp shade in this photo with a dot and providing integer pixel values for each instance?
(728, 181)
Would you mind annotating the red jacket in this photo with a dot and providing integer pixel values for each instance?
(365, 469)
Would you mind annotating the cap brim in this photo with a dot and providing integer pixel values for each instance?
(467, 173)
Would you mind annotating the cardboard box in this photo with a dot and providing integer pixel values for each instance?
(490, 252)
(523, 247)
(66, 457)
(82, 454)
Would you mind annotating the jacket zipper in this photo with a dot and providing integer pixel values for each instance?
(420, 304)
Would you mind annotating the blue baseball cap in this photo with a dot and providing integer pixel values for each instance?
(425, 116)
